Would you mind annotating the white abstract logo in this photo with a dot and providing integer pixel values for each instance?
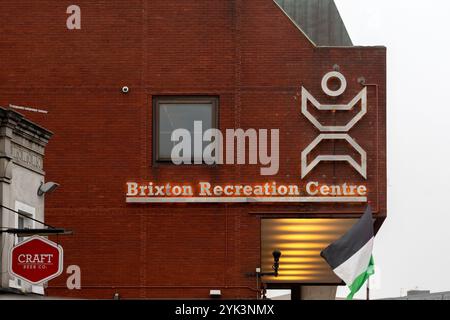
(334, 132)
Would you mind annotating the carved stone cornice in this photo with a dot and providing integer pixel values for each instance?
(21, 141)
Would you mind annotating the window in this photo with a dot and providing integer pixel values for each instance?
(22, 222)
(171, 113)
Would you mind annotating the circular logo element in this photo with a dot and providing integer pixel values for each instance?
(340, 77)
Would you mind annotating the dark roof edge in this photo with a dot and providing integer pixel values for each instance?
(354, 47)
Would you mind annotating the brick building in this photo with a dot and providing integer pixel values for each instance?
(250, 64)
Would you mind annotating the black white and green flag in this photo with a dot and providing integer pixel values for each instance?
(350, 256)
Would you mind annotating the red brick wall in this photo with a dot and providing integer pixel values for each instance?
(246, 52)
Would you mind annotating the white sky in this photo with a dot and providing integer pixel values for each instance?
(412, 248)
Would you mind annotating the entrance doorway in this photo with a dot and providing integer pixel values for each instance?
(302, 272)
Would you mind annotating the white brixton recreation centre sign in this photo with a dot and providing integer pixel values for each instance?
(312, 191)
(264, 192)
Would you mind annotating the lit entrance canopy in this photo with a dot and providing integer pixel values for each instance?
(300, 241)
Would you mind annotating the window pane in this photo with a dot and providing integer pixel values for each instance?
(174, 116)
(20, 223)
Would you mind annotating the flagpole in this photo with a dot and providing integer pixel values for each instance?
(368, 290)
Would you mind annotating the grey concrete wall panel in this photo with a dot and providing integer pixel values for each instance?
(320, 20)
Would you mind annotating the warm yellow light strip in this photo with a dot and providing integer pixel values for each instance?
(305, 228)
(300, 245)
(306, 236)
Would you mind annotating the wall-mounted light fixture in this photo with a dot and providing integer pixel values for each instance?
(47, 187)
(276, 261)
(276, 265)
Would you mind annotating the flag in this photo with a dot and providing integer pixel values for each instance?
(350, 256)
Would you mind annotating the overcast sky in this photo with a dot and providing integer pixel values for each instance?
(412, 247)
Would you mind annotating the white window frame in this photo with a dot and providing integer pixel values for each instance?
(30, 212)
